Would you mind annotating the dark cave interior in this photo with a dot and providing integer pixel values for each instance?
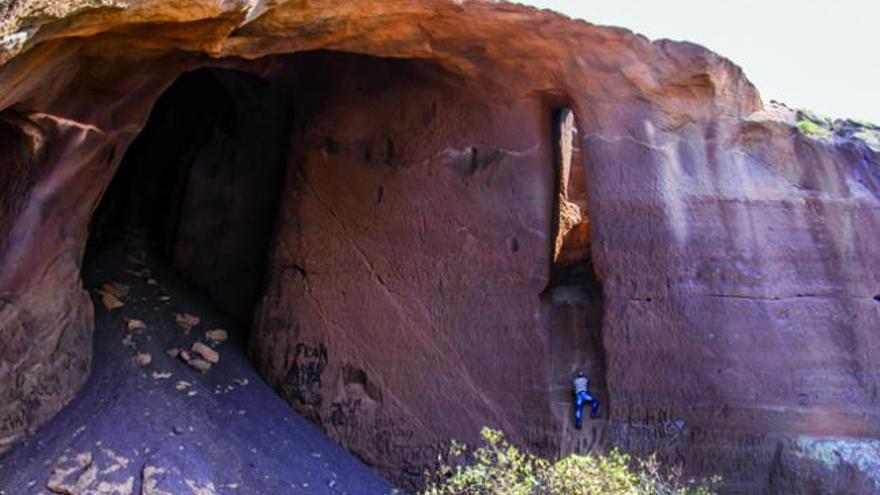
(202, 183)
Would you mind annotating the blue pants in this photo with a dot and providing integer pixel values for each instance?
(580, 398)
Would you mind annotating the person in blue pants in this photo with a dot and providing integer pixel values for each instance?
(582, 395)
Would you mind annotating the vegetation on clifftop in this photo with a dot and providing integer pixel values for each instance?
(810, 128)
(498, 468)
(817, 126)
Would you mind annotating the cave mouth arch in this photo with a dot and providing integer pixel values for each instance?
(201, 183)
(413, 209)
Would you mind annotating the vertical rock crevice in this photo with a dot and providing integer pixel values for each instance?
(572, 301)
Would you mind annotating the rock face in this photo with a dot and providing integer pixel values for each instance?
(460, 204)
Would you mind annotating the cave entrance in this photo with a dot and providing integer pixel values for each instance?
(201, 184)
(403, 187)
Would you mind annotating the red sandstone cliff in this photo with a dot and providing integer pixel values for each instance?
(719, 280)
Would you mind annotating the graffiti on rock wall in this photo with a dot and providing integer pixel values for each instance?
(344, 412)
(306, 368)
(652, 431)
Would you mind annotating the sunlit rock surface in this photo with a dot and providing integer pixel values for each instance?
(717, 272)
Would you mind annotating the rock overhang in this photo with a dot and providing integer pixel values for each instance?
(698, 205)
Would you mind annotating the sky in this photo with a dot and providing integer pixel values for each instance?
(818, 54)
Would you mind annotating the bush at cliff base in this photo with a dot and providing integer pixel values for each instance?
(498, 468)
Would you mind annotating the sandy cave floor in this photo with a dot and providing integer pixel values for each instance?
(163, 427)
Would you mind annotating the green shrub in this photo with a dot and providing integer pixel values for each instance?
(577, 474)
(810, 128)
(498, 468)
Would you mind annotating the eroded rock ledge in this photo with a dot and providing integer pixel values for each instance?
(719, 276)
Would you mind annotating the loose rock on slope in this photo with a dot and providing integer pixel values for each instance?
(132, 430)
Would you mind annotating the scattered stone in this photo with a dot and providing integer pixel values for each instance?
(185, 355)
(186, 321)
(79, 431)
(110, 301)
(177, 430)
(79, 476)
(182, 385)
(164, 298)
(161, 375)
(117, 461)
(152, 281)
(149, 483)
(72, 476)
(143, 359)
(109, 488)
(134, 325)
(112, 294)
(115, 289)
(210, 355)
(241, 381)
(206, 489)
(217, 335)
(173, 353)
(199, 365)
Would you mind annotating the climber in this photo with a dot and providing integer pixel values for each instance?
(582, 394)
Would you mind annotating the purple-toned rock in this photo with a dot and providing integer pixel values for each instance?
(445, 227)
